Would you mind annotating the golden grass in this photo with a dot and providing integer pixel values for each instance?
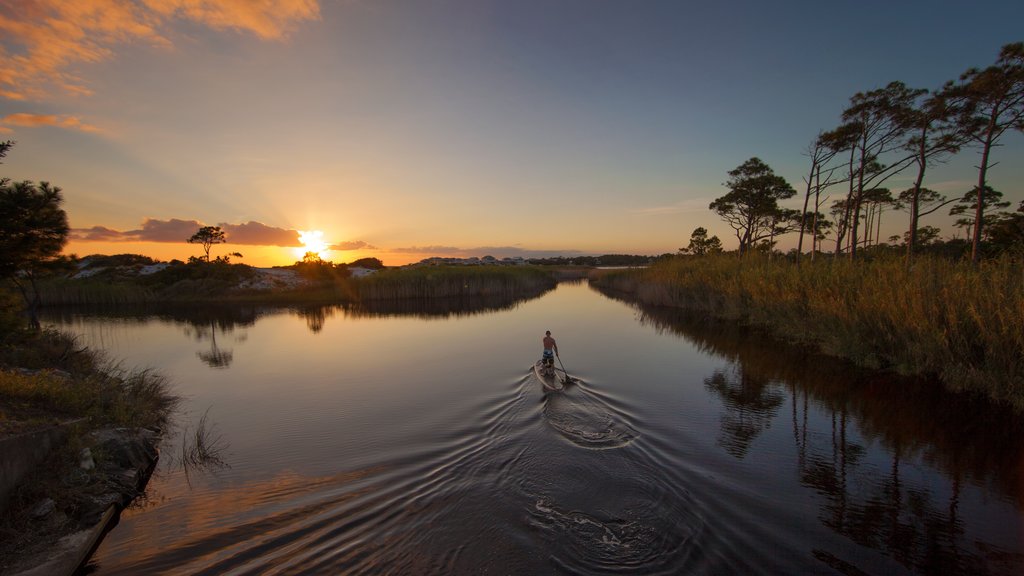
(962, 323)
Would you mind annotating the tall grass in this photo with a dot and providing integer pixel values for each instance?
(454, 281)
(50, 371)
(961, 323)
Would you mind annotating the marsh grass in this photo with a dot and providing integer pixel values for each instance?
(202, 448)
(454, 281)
(50, 371)
(961, 323)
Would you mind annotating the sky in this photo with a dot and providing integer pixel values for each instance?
(402, 129)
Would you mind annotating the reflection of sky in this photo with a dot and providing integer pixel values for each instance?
(373, 392)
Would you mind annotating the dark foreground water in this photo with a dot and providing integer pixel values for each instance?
(416, 441)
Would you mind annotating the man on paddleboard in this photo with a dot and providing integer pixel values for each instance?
(550, 351)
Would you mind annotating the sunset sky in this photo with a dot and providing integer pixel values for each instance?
(406, 129)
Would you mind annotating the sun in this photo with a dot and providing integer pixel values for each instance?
(313, 241)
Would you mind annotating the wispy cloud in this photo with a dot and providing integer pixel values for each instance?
(352, 245)
(683, 206)
(36, 120)
(42, 41)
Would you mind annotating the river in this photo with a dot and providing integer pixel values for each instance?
(418, 441)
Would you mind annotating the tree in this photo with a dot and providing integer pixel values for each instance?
(990, 199)
(878, 118)
(933, 133)
(208, 236)
(993, 104)
(701, 245)
(751, 207)
(1007, 233)
(821, 151)
(33, 230)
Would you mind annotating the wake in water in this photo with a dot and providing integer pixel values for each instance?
(586, 419)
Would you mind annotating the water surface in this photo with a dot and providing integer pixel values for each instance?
(416, 440)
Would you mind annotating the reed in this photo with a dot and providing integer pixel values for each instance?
(65, 292)
(454, 281)
(961, 323)
(49, 370)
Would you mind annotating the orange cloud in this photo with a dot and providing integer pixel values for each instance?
(42, 40)
(176, 230)
(258, 234)
(352, 245)
(36, 120)
(268, 20)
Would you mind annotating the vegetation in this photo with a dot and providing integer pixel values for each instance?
(603, 260)
(33, 230)
(881, 134)
(47, 372)
(700, 244)
(961, 323)
(454, 281)
(751, 208)
(207, 236)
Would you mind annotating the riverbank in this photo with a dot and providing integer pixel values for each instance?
(956, 322)
(79, 438)
(220, 282)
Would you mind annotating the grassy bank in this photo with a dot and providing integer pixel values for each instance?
(48, 373)
(961, 323)
(227, 283)
(454, 281)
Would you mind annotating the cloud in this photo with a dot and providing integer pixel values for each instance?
(35, 120)
(41, 41)
(96, 234)
(258, 234)
(176, 230)
(268, 20)
(683, 206)
(352, 245)
(172, 230)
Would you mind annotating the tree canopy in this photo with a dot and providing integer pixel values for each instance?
(751, 208)
(208, 236)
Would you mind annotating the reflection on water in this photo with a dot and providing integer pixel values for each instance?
(416, 440)
(886, 504)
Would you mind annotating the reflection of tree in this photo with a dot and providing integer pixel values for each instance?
(315, 316)
(750, 405)
(215, 357)
(880, 509)
(896, 508)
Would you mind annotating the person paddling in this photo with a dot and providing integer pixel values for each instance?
(550, 351)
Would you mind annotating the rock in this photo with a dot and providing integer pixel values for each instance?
(128, 449)
(43, 509)
(85, 461)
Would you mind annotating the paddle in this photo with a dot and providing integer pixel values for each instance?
(568, 379)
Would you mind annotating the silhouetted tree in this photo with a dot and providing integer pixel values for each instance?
(994, 104)
(1006, 234)
(821, 151)
(751, 207)
(33, 230)
(208, 236)
(879, 119)
(700, 244)
(932, 134)
(991, 199)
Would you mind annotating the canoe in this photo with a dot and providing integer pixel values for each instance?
(552, 382)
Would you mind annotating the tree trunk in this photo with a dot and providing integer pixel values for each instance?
(979, 209)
